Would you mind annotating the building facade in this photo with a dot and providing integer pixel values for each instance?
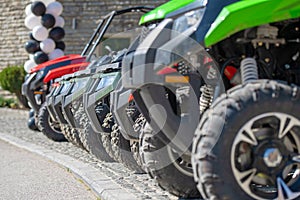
(81, 19)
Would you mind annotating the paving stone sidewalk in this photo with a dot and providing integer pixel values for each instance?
(139, 186)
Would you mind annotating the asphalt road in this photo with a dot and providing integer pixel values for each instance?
(24, 175)
(109, 180)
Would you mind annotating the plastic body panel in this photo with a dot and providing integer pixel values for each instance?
(80, 86)
(135, 69)
(56, 102)
(26, 91)
(69, 69)
(119, 102)
(94, 95)
(49, 101)
(161, 11)
(246, 14)
(56, 61)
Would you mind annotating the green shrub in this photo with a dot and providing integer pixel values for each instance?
(11, 79)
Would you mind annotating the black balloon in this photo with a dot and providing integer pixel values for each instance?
(40, 57)
(38, 8)
(48, 20)
(31, 124)
(31, 113)
(60, 45)
(31, 36)
(32, 46)
(57, 34)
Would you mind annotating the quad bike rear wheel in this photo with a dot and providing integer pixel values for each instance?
(48, 127)
(172, 172)
(247, 145)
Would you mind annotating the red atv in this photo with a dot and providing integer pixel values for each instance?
(40, 78)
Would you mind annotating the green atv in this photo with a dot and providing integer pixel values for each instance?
(247, 143)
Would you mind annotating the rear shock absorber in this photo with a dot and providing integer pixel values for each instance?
(207, 91)
(249, 70)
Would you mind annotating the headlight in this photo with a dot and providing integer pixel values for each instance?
(40, 74)
(186, 21)
(105, 81)
(79, 84)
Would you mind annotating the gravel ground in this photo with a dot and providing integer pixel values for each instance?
(14, 123)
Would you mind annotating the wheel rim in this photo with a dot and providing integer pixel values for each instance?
(54, 125)
(265, 157)
(181, 162)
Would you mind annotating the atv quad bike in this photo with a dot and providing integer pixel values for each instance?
(38, 81)
(74, 117)
(247, 143)
(165, 82)
(47, 117)
(97, 107)
(81, 82)
(253, 129)
(98, 103)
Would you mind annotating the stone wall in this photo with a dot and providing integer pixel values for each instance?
(13, 33)
(85, 14)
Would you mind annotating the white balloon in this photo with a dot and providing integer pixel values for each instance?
(28, 10)
(47, 45)
(56, 54)
(32, 21)
(31, 57)
(59, 21)
(54, 8)
(40, 33)
(29, 64)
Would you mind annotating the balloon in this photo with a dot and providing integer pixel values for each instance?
(28, 10)
(59, 22)
(29, 64)
(40, 33)
(31, 57)
(46, 2)
(40, 57)
(32, 46)
(48, 20)
(38, 8)
(60, 45)
(31, 21)
(54, 8)
(56, 54)
(31, 36)
(57, 33)
(47, 45)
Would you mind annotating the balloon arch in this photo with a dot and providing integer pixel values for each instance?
(46, 25)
